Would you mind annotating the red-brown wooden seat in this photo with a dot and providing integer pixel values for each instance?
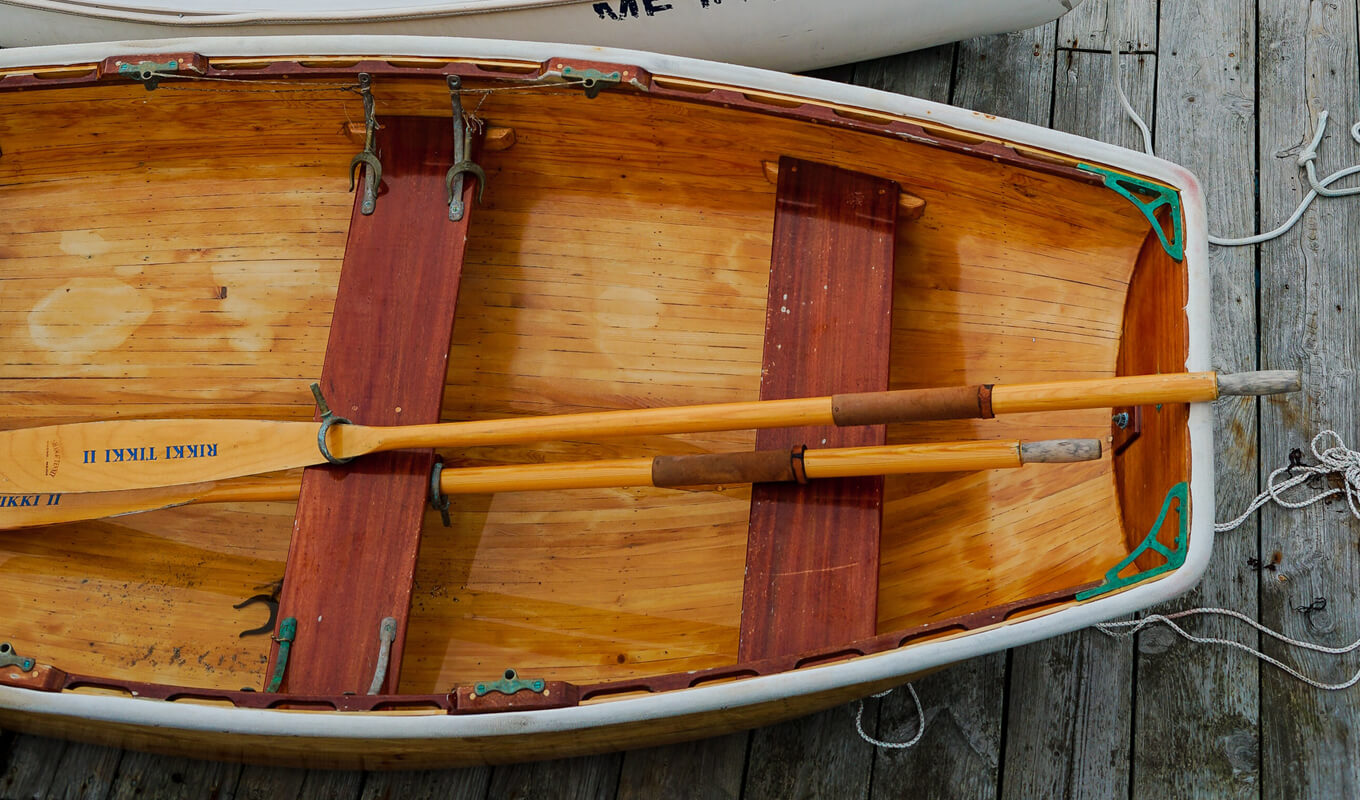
(812, 552)
(352, 559)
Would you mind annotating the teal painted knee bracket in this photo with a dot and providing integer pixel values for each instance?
(1175, 556)
(1126, 185)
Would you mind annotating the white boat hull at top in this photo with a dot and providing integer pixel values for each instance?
(775, 34)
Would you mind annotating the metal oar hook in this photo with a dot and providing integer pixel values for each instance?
(369, 157)
(462, 151)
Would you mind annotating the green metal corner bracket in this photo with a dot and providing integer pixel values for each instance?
(1175, 556)
(1126, 185)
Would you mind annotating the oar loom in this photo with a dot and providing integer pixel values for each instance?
(141, 454)
(700, 469)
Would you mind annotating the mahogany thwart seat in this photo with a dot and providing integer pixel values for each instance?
(812, 551)
(351, 562)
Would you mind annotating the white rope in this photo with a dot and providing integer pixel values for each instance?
(1305, 160)
(1113, 10)
(1307, 156)
(1134, 626)
(920, 724)
(1338, 459)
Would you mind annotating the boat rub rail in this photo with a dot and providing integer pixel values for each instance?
(555, 694)
(633, 78)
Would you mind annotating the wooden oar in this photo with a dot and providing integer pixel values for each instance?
(704, 469)
(141, 454)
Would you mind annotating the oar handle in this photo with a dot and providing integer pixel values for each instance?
(1252, 384)
(983, 401)
(767, 466)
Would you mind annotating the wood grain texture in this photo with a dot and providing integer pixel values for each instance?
(462, 784)
(1087, 27)
(85, 772)
(925, 73)
(592, 778)
(959, 755)
(972, 762)
(1202, 698)
(269, 783)
(827, 329)
(818, 757)
(560, 297)
(1069, 702)
(1155, 339)
(359, 525)
(1179, 685)
(1308, 297)
(30, 766)
(143, 775)
(1010, 75)
(709, 768)
(1074, 691)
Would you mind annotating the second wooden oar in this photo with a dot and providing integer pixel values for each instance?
(142, 454)
(703, 469)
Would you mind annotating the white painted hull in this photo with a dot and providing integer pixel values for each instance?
(408, 740)
(782, 34)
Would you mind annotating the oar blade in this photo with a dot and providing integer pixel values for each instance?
(50, 508)
(144, 454)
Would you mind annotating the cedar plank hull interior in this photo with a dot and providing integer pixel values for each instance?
(177, 252)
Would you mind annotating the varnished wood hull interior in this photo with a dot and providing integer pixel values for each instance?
(176, 253)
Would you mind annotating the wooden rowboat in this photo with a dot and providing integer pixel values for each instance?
(180, 243)
(775, 34)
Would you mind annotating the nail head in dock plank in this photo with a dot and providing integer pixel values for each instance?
(1080, 716)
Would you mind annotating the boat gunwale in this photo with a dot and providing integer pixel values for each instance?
(867, 670)
(664, 682)
(803, 106)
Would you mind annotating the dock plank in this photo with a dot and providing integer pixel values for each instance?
(1008, 75)
(1074, 692)
(708, 768)
(85, 772)
(30, 766)
(820, 756)
(449, 784)
(40, 767)
(959, 756)
(586, 778)
(1068, 719)
(1308, 294)
(142, 776)
(1206, 700)
(268, 783)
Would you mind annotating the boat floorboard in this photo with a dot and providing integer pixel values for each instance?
(1230, 85)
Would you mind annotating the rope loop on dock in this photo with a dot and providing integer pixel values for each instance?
(920, 723)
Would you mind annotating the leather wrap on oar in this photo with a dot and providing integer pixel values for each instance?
(709, 469)
(911, 405)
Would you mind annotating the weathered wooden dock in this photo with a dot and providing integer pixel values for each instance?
(1232, 89)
